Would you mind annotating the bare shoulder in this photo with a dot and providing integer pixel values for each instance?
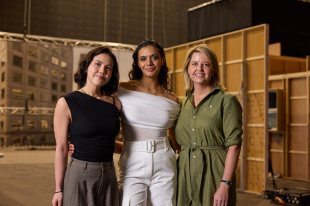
(172, 96)
(62, 108)
(61, 103)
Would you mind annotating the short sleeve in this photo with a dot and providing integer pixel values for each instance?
(232, 120)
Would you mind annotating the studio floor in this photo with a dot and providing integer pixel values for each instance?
(27, 179)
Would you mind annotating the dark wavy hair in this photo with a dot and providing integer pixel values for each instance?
(136, 73)
(81, 74)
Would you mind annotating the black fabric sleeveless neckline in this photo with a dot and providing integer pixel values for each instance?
(94, 126)
(92, 97)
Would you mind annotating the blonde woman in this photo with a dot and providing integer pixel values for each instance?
(209, 130)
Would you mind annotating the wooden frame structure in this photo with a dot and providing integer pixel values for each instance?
(243, 59)
(290, 148)
(250, 68)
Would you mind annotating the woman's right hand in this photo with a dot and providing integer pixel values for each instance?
(71, 149)
(57, 199)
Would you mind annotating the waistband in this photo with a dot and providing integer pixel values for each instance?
(147, 145)
(91, 165)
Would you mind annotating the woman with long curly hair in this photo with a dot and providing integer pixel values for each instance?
(148, 162)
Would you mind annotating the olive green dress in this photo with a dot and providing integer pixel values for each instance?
(205, 133)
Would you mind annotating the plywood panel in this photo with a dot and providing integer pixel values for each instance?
(169, 59)
(180, 54)
(221, 74)
(285, 65)
(216, 45)
(255, 108)
(291, 67)
(298, 87)
(256, 75)
(296, 146)
(298, 132)
(276, 66)
(277, 163)
(190, 45)
(238, 175)
(255, 140)
(276, 84)
(298, 110)
(255, 42)
(298, 166)
(298, 140)
(255, 177)
(276, 141)
(234, 47)
(274, 49)
(232, 77)
(180, 85)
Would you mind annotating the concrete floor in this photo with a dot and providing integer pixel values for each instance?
(27, 179)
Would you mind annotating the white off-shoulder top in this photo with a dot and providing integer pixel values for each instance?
(146, 116)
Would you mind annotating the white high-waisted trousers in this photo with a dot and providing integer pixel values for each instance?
(148, 173)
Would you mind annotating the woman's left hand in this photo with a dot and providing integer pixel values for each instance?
(71, 149)
(221, 195)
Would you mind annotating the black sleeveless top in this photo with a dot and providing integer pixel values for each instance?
(95, 124)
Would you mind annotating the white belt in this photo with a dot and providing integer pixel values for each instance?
(147, 145)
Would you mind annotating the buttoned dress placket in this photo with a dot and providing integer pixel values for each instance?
(196, 153)
(195, 156)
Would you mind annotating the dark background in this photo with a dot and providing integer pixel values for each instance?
(289, 21)
(167, 21)
(122, 21)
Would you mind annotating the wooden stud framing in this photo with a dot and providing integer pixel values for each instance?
(296, 141)
(243, 65)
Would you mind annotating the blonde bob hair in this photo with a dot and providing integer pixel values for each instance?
(202, 48)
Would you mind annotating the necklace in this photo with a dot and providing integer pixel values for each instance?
(98, 97)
